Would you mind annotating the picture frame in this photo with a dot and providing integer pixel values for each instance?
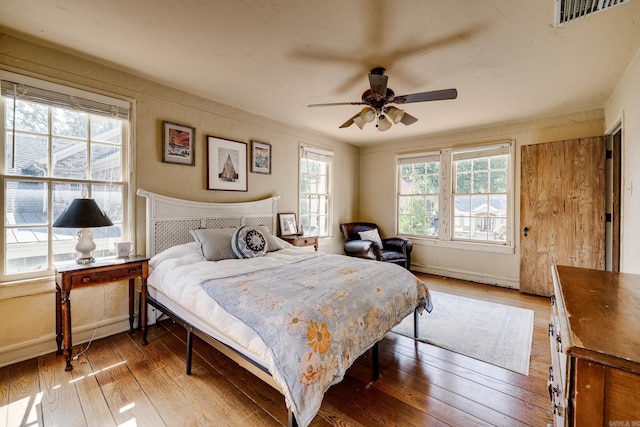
(178, 144)
(288, 224)
(260, 157)
(226, 164)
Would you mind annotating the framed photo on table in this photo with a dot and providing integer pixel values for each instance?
(288, 224)
(226, 164)
(178, 144)
(260, 157)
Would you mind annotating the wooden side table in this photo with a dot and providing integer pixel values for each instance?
(71, 276)
(301, 240)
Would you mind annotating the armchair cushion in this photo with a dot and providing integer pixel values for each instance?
(372, 235)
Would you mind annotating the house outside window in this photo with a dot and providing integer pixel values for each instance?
(58, 144)
(315, 191)
(462, 194)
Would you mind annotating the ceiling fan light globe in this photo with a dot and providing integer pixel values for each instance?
(359, 121)
(395, 115)
(384, 123)
(368, 114)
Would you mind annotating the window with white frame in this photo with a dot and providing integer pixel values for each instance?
(419, 194)
(315, 191)
(462, 194)
(58, 143)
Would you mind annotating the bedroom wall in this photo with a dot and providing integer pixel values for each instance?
(377, 173)
(624, 106)
(27, 320)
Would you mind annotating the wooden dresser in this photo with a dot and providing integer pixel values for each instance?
(594, 379)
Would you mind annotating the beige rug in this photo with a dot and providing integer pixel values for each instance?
(494, 333)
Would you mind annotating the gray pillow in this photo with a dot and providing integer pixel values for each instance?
(215, 243)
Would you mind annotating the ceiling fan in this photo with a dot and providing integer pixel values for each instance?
(379, 96)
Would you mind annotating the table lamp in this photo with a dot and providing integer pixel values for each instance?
(83, 214)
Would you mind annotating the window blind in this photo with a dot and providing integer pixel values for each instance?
(22, 88)
(312, 153)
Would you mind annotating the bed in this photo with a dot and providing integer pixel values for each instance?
(295, 318)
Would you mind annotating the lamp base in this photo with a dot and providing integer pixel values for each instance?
(85, 246)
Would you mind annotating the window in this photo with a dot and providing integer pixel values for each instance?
(419, 193)
(315, 191)
(59, 144)
(481, 198)
(470, 203)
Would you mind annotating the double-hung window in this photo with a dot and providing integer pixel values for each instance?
(481, 194)
(315, 191)
(419, 195)
(58, 144)
(462, 194)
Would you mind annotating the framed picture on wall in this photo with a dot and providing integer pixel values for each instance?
(260, 157)
(226, 164)
(178, 144)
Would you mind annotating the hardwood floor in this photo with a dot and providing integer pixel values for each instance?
(119, 382)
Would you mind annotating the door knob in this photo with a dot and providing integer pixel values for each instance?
(525, 231)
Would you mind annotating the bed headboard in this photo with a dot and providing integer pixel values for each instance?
(169, 219)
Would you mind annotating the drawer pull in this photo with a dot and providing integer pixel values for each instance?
(86, 279)
(132, 271)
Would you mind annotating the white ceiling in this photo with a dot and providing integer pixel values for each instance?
(273, 57)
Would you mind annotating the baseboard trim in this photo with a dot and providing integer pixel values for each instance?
(505, 282)
(26, 350)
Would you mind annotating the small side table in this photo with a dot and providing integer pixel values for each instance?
(71, 276)
(301, 240)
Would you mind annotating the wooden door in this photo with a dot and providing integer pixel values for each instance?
(562, 209)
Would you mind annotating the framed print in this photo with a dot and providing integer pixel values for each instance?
(226, 164)
(288, 225)
(260, 157)
(178, 144)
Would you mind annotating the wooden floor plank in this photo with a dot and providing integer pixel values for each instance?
(60, 401)
(120, 382)
(126, 399)
(24, 395)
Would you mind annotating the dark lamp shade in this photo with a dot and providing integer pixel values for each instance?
(83, 213)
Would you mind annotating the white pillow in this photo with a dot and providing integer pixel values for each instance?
(273, 243)
(372, 235)
(248, 242)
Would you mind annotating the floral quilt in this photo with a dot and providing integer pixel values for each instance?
(317, 316)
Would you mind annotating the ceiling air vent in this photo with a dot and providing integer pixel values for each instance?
(570, 10)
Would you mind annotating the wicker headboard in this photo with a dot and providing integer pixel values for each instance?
(169, 219)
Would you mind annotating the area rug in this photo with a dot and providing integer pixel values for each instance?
(494, 333)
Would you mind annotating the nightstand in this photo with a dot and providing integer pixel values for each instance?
(301, 240)
(72, 275)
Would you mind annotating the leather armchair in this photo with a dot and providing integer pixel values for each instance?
(393, 249)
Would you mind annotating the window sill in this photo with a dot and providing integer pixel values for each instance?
(25, 288)
(468, 246)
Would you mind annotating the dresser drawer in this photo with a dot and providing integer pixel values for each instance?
(109, 275)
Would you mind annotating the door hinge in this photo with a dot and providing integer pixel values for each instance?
(608, 217)
(609, 154)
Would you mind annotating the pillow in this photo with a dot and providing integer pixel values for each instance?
(247, 242)
(372, 235)
(215, 243)
(273, 243)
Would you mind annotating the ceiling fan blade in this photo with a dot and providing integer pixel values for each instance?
(333, 104)
(435, 95)
(349, 122)
(408, 119)
(378, 83)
